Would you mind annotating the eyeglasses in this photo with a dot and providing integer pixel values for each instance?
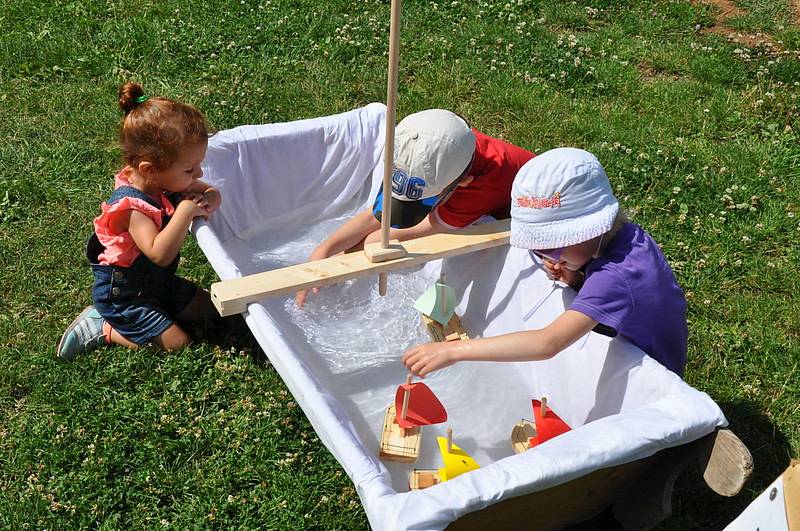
(553, 255)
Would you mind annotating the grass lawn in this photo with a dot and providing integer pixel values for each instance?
(692, 109)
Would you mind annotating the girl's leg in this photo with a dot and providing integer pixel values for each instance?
(119, 339)
(173, 338)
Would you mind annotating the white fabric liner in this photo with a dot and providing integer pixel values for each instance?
(280, 180)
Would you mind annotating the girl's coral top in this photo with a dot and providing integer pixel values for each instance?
(120, 249)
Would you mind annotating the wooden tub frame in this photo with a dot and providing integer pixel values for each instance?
(640, 492)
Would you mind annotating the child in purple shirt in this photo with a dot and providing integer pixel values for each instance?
(563, 210)
(631, 290)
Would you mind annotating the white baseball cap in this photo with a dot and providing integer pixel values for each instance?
(432, 149)
(560, 198)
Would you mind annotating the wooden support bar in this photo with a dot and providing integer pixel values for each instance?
(232, 296)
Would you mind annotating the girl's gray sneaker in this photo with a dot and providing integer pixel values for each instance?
(83, 335)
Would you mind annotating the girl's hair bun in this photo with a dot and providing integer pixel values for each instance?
(129, 93)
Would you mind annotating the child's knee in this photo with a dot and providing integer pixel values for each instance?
(173, 338)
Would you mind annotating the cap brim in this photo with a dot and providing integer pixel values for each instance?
(562, 233)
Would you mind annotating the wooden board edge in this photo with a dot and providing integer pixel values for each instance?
(791, 495)
(232, 296)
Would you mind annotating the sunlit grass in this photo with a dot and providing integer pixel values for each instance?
(697, 132)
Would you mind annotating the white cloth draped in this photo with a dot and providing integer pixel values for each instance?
(281, 179)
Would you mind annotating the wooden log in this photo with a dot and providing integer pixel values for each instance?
(232, 296)
(728, 463)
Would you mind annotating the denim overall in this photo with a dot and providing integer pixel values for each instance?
(140, 301)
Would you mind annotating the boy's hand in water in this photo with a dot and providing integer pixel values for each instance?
(300, 297)
(428, 357)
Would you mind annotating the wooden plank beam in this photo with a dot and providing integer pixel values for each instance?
(232, 296)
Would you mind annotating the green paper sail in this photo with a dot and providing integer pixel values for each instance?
(438, 302)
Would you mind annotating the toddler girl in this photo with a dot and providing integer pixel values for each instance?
(134, 250)
(563, 210)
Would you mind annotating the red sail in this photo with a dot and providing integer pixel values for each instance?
(548, 426)
(423, 406)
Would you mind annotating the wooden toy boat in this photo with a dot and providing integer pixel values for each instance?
(418, 406)
(456, 462)
(523, 432)
(438, 302)
(437, 306)
(548, 424)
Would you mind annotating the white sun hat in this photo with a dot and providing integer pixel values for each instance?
(432, 148)
(560, 198)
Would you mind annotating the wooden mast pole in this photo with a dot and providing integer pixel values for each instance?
(385, 252)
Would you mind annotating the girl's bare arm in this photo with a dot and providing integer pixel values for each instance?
(529, 345)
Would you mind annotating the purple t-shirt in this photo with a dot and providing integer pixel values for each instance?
(632, 290)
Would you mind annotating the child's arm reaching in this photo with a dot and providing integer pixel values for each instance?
(530, 345)
(429, 225)
(162, 246)
(349, 236)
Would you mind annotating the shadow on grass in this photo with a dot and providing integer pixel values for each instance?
(695, 506)
(230, 333)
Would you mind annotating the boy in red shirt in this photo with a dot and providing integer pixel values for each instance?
(446, 177)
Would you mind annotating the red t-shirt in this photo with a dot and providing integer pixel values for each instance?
(493, 170)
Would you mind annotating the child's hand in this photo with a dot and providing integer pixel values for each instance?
(198, 204)
(553, 269)
(428, 357)
(556, 271)
(213, 199)
(300, 297)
